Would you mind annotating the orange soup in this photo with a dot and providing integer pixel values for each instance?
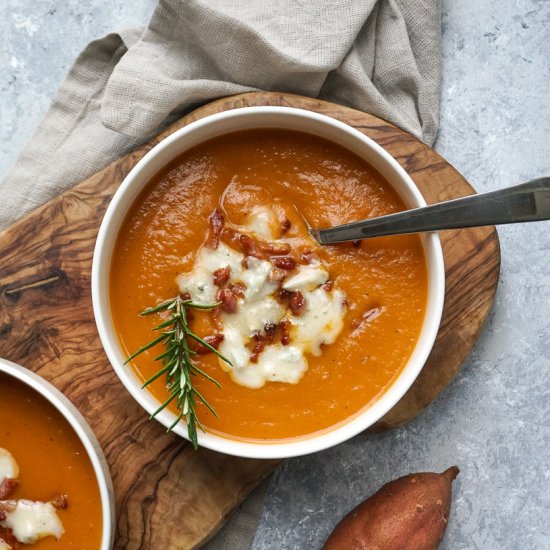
(52, 461)
(303, 179)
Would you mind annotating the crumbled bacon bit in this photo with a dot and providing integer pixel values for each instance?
(270, 329)
(251, 247)
(284, 294)
(244, 262)
(60, 502)
(3, 515)
(258, 248)
(262, 340)
(186, 296)
(258, 348)
(372, 314)
(284, 262)
(356, 244)
(238, 289)
(308, 256)
(214, 340)
(328, 286)
(7, 506)
(285, 332)
(297, 303)
(7, 487)
(368, 316)
(285, 226)
(276, 275)
(221, 276)
(216, 222)
(356, 323)
(228, 300)
(275, 248)
(8, 537)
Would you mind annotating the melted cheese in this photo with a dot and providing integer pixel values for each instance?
(322, 320)
(256, 279)
(31, 521)
(277, 363)
(239, 329)
(308, 277)
(233, 348)
(199, 283)
(8, 466)
(253, 316)
(320, 323)
(263, 222)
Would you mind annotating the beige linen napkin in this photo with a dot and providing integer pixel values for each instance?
(380, 56)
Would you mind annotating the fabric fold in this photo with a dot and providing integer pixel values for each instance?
(70, 142)
(359, 54)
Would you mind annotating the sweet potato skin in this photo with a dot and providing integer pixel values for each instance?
(409, 513)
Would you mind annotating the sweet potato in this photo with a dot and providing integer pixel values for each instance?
(409, 513)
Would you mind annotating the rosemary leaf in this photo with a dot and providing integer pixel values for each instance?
(145, 348)
(177, 362)
(160, 307)
(206, 403)
(194, 305)
(164, 405)
(155, 376)
(167, 323)
(206, 375)
(175, 423)
(173, 348)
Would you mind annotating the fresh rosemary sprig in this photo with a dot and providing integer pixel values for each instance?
(177, 362)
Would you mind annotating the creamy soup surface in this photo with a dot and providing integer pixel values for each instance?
(377, 288)
(51, 463)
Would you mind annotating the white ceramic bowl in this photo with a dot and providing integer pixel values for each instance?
(86, 436)
(249, 118)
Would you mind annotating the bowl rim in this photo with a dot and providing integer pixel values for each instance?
(279, 448)
(84, 432)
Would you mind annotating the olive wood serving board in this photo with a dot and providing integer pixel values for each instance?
(167, 495)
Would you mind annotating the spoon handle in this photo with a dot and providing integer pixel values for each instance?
(527, 202)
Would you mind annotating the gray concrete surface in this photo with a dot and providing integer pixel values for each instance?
(494, 419)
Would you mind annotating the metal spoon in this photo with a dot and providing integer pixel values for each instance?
(527, 202)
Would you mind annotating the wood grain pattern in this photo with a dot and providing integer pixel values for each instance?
(167, 495)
